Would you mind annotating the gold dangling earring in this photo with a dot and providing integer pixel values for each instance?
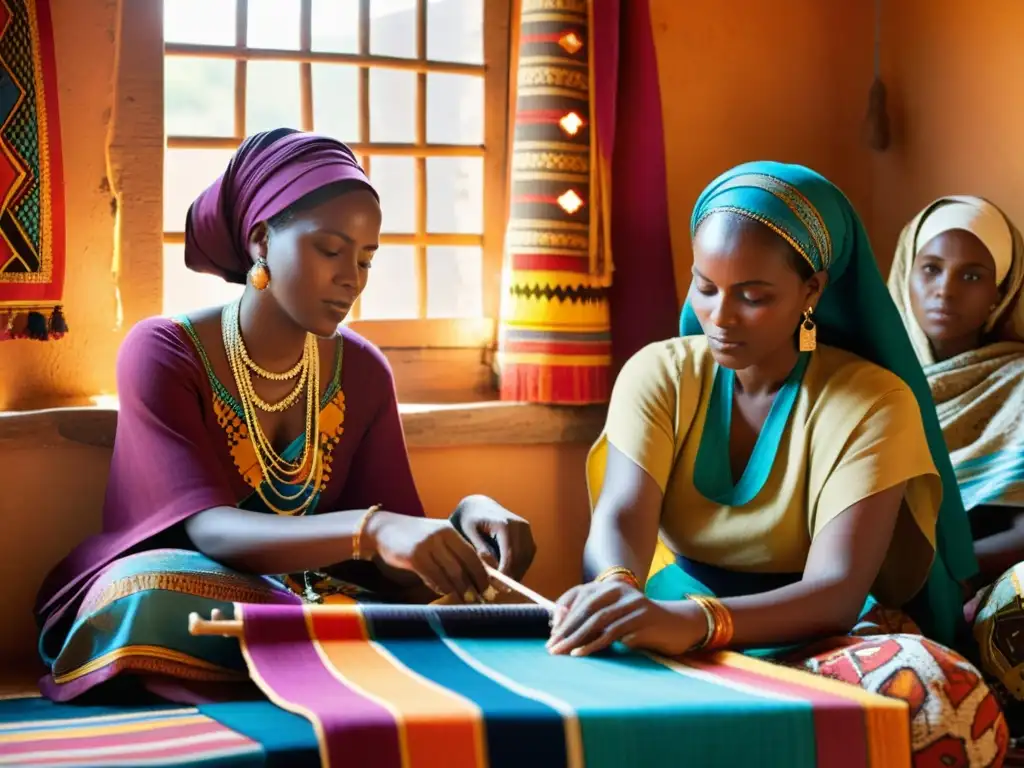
(259, 275)
(808, 332)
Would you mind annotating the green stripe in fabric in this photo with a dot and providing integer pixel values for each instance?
(634, 711)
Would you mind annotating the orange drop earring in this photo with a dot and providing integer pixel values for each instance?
(259, 275)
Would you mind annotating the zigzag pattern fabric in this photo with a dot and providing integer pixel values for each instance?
(555, 334)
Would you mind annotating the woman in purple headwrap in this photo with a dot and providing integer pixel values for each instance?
(259, 454)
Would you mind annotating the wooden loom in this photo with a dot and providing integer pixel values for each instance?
(215, 625)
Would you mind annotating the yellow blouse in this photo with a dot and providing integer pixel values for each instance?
(855, 430)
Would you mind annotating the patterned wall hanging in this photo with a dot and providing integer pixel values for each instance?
(32, 244)
(554, 343)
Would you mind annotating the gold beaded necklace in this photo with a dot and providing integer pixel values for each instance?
(276, 470)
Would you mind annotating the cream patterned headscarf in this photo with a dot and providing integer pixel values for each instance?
(984, 220)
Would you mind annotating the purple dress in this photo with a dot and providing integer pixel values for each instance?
(119, 602)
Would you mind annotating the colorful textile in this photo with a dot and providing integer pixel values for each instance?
(32, 248)
(246, 734)
(554, 339)
(105, 609)
(955, 718)
(131, 620)
(468, 687)
(855, 313)
(268, 173)
(997, 628)
(854, 430)
(954, 714)
(979, 394)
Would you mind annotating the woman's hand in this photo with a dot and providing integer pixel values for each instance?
(487, 525)
(432, 549)
(590, 617)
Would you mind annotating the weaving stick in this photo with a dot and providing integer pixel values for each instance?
(197, 625)
(515, 586)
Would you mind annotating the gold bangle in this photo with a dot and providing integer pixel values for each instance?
(720, 626)
(358, 535)
(622, 571)
(708, 616)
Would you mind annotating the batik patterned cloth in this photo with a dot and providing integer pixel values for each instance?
(468, 687)
(955, 718)
(31, 177)
(554, 341)
(244, 734)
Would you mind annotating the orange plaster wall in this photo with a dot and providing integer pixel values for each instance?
(954, 71)
(760, 80)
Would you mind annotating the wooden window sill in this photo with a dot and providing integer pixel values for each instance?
(426, 425)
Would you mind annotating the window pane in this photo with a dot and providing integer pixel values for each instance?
(395, 180)
(390, 293)
(199, 96)
(187, 172)
(393, 28)
(187, 291)
(455, 282)
(274, 24)
(336, 26)
(336, 101)
(455, 194)
(272, 96)
(455, 109)
(455, 31)
(392, 106)
(217, 27)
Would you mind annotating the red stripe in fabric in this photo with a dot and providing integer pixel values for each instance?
(551, 262)
(839, 728)
(558, 347)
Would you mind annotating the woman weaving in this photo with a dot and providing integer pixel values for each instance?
(956, 279)
(259, 454)
(784, 446)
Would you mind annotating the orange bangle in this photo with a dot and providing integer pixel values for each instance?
(357, 536)
(622, 572)
(720, 626)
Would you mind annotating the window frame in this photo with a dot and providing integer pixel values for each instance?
(422, 332)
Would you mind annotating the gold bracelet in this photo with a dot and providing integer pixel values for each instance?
(622, 571)
(720, 626)
(358, 535)
(708, 616)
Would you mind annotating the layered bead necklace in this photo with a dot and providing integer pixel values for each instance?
(308, 469)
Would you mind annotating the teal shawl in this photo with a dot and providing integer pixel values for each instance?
(856, 313)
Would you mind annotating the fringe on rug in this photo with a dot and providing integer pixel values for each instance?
(38, 324)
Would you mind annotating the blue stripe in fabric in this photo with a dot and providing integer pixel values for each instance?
(288, 740)
(520, 731)
(634, 711)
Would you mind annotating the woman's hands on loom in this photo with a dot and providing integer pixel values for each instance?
(489, 527)
(432, 549)
(590, 617)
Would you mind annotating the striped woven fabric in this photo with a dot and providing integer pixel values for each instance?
(474, 687)
(174, 736)
(554, 341)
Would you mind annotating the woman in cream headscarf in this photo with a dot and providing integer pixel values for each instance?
(956, 279)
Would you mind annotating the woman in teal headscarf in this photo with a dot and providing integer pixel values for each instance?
(786, 448)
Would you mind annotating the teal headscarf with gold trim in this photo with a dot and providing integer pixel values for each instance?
(855, 313)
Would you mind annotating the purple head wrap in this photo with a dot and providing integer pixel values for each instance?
(268, 173)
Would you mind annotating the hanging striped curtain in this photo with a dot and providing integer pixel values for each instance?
(554, 343)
